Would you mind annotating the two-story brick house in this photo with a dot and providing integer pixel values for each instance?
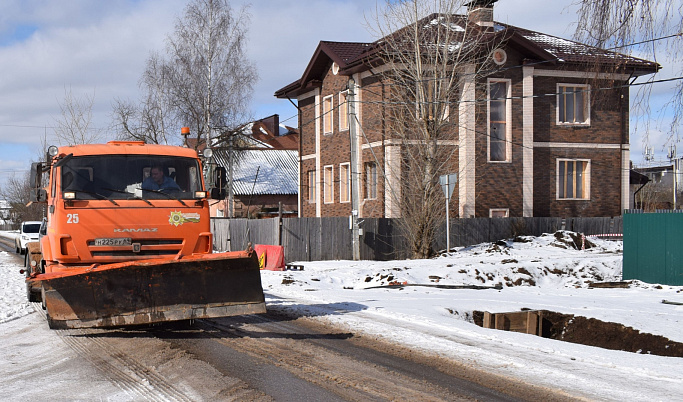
(562, 152)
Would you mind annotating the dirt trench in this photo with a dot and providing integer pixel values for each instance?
(607, 335)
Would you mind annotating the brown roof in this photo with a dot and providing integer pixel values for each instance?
(262, 133)
(353, 57)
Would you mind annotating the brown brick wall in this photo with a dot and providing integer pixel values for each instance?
(606, 114)
(307, 207)
(605, 183)
(499, 184)
(335, 148)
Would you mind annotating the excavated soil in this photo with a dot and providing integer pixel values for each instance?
(607, 335)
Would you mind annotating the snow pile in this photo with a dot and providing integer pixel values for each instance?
(13, 301)
(523, 261)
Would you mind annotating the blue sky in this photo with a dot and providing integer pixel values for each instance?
(99, 49)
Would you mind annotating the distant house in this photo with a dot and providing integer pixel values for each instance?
(657, 193)
(637, 181)
(264, 180)
(555, 150)
(5, 215)
(271, 134)
(265, 163)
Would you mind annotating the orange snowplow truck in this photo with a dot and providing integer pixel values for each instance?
(127, 240)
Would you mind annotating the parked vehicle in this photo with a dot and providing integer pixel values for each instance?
(128, 240)
(28, 231)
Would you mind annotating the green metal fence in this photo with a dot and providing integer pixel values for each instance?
(653, 247)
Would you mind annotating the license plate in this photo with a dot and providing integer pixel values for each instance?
(117, 241)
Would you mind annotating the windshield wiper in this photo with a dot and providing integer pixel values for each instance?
(129, 193)
(99, 196)
(169, 196)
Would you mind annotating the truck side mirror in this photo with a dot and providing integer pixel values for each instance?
(38, 195)
(36, 178)
(221, 177)
(36, 192)
(218, 194)
(221, 182)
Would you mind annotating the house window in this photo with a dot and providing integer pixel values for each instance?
(344, 182)
(499, 115)
(573, 179)
(343, 111)
(499, 213)
(328, 184)
(370, 180)
(573, 104)
(327, 114)
(311, 185)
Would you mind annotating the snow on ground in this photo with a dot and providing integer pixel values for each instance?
(13, 301)
(543, 272)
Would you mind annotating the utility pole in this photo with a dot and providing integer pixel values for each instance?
(230, 194)
(674, 168)
(355, 193)
(448, 182)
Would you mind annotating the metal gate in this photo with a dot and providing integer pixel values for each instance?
(653, 247)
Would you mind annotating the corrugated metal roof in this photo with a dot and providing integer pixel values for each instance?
(278, 171)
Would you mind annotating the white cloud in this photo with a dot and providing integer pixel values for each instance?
(101, 47)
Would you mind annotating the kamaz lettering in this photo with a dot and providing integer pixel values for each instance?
(135, 230)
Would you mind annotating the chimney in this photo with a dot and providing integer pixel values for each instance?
(272, 123)
(480, 12)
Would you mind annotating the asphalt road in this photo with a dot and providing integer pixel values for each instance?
(266, 357)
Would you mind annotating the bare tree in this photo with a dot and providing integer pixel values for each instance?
(16, 191)
(204, 81)
(654, 196)
(75, 124)
(650, 29)
(149, 120)
(432, 54)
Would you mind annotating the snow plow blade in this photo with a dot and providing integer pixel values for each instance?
(153, 291)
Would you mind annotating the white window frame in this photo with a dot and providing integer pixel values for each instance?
(560, 180)
(506, 211)
(585, 93)
(370, 181)
(343, 111)
(508, 120)
(344, 182)
(328, 106)
(328, 184)
(311, 186)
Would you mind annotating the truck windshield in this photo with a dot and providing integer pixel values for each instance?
(120, 177)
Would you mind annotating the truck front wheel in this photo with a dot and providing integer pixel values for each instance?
(33, 296)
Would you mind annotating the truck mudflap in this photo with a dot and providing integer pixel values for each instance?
(152, 291)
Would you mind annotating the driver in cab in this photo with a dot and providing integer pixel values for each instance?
(158, 181)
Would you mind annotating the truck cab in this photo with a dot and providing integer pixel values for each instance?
(104, 205)
(127, 240)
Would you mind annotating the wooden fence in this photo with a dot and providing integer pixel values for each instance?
(320, 239)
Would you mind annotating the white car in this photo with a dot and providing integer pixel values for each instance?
(28, 231)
